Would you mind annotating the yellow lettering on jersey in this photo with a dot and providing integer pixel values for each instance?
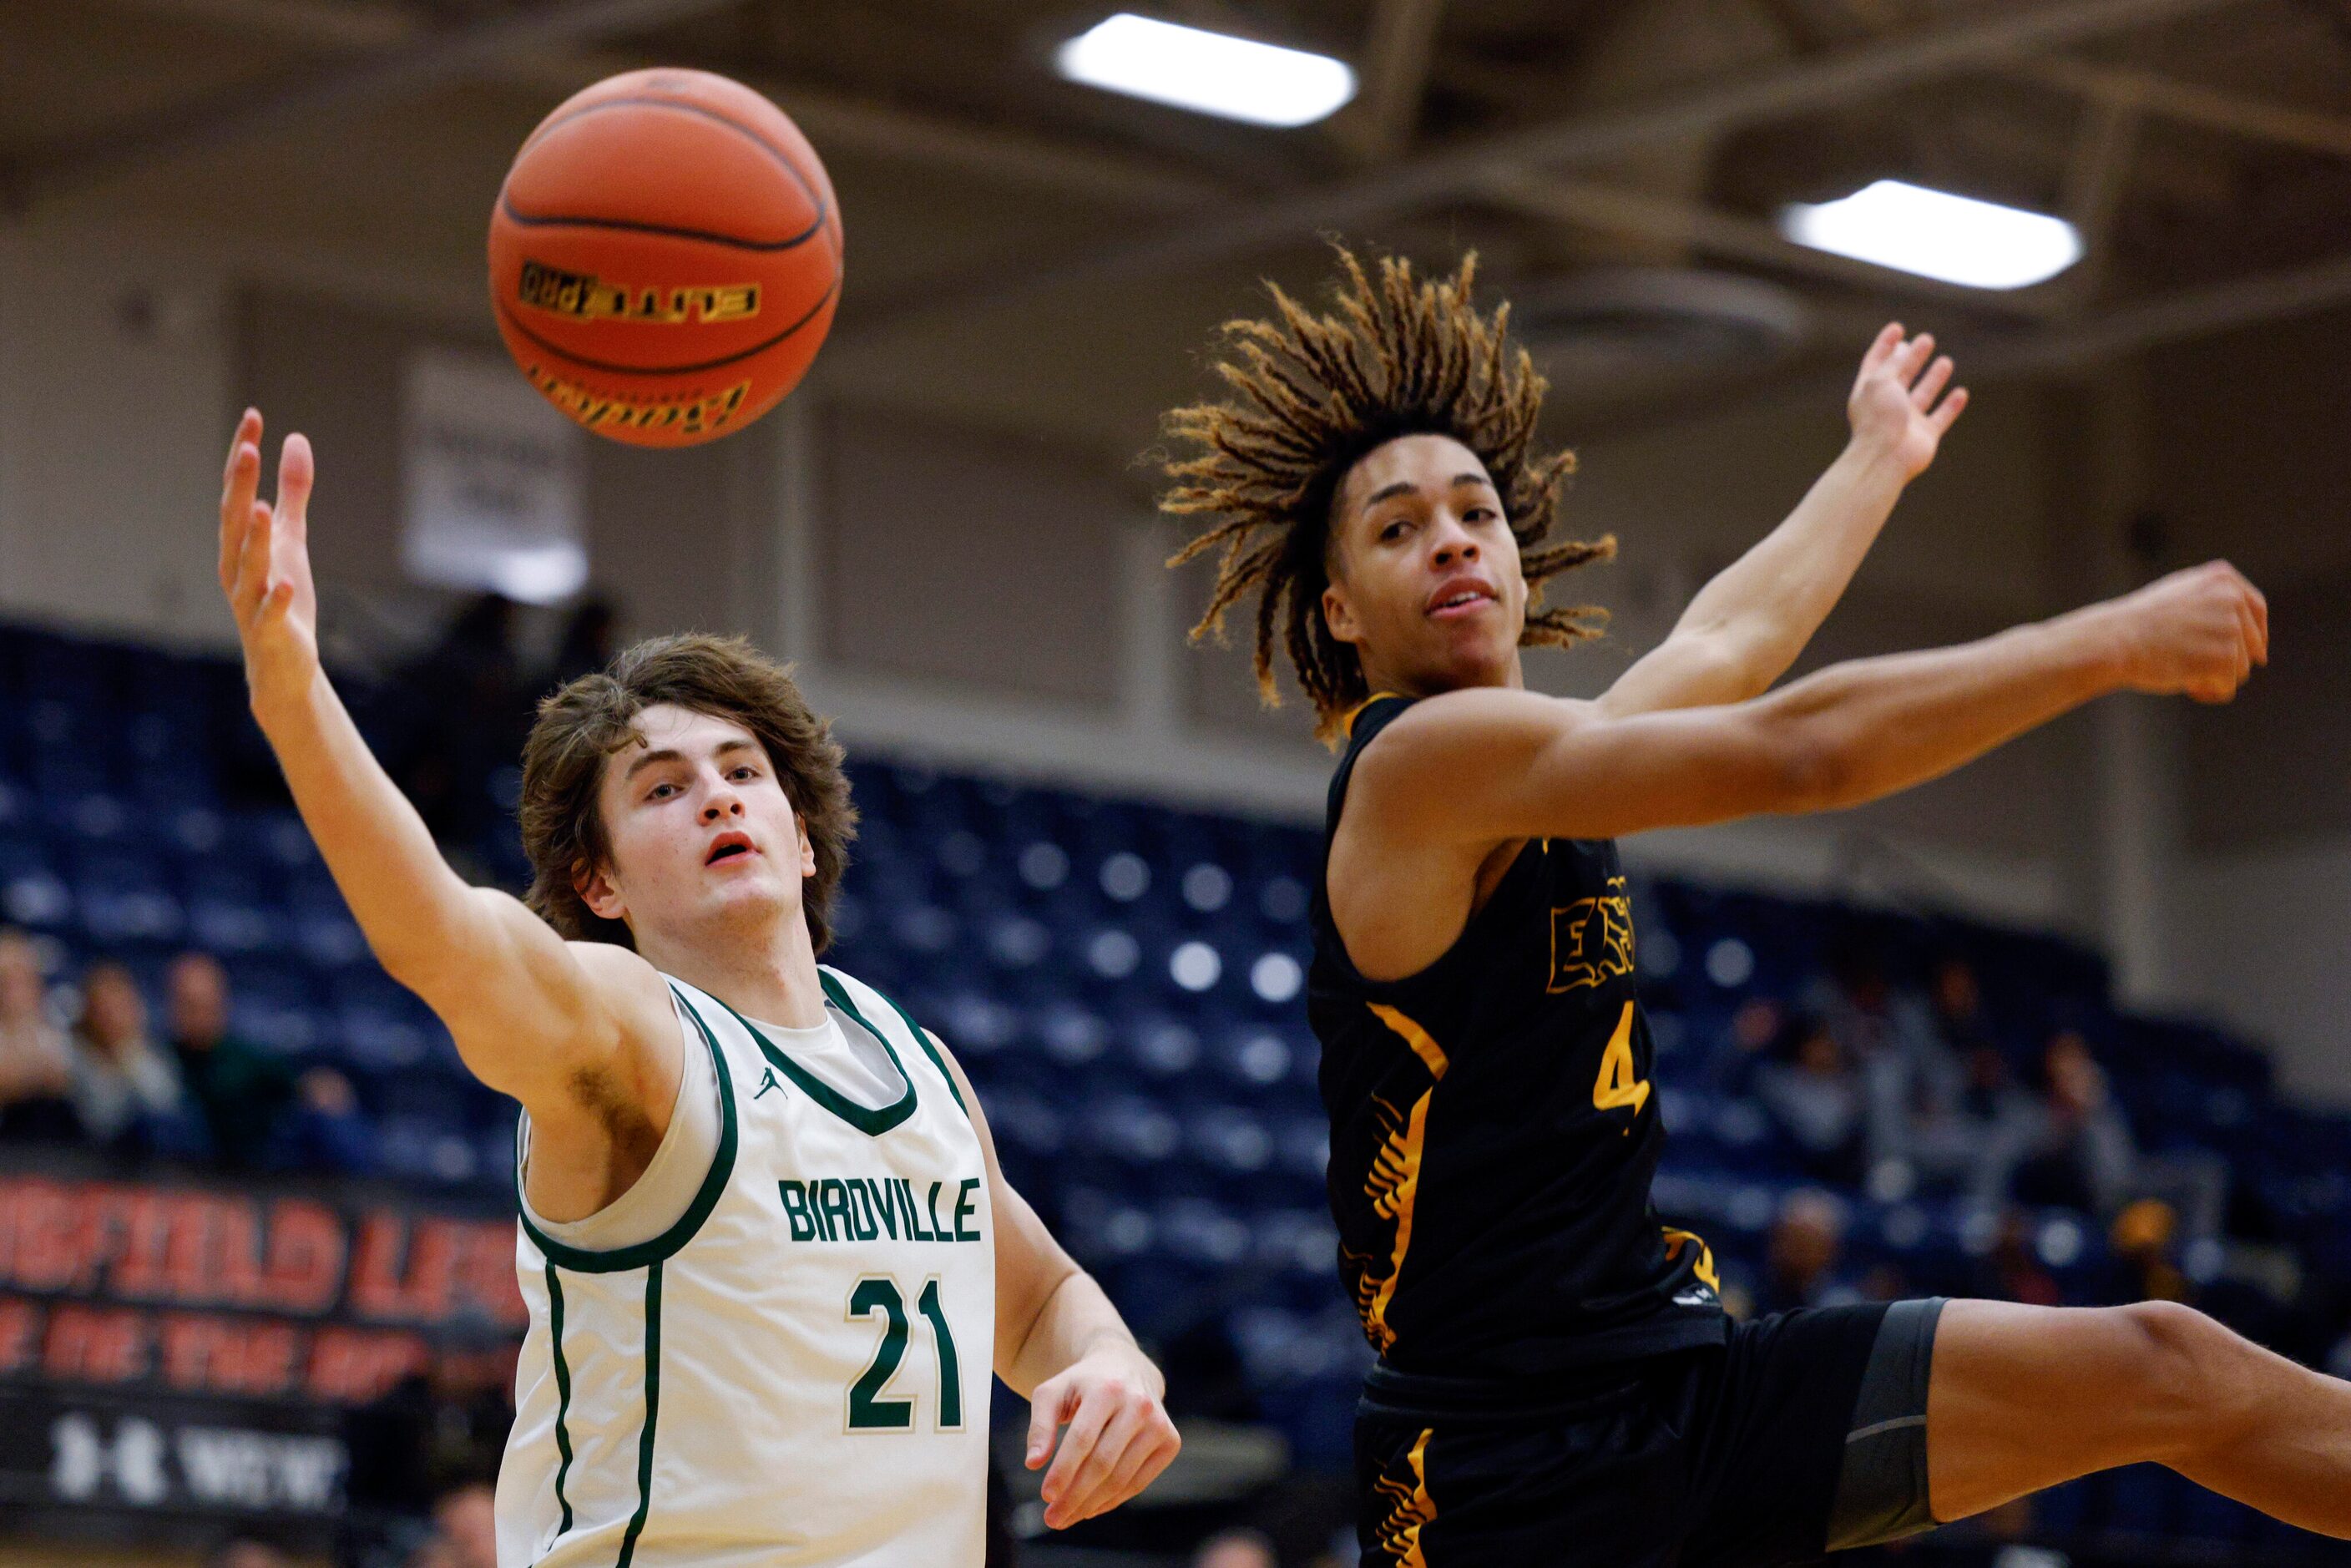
(1619, 1083)
(1592, 940)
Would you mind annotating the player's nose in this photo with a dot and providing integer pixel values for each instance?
(1450, 542)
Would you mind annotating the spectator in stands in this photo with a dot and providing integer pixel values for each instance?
(259, 1112)
(476, 710)
(2139, 1249)
(588, 642)
(1235, 1549)
(2011, 1272)
(464, 1528)
(35, 1062)
(2078, 1151)
(1961, 1099)
(242, 1551)
(1907, 1076)
(2081, 1155)
(1807, 1244)
(1816, 1099)
(240, 1087)
(126, 1092)
(1755, 1029)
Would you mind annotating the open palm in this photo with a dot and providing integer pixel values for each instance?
(1897, 401)
(265, 563)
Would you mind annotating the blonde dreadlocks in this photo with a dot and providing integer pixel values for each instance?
(1402, 355)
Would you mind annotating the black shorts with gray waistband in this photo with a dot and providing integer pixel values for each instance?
(1804, 1433)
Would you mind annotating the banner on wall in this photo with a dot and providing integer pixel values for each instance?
(493, 480)
(190, 1350)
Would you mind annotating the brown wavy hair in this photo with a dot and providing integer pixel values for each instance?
(1399, 355)
(592, 718)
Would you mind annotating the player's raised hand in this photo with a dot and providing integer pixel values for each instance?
(2197, 633)
(265, 564)
(1898, 403)
(1119, 1436)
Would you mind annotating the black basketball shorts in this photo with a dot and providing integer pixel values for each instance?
(1803, 1434)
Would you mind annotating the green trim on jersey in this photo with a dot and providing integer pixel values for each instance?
(722, 1165)
(652, 1415)
(871, 1121)
(930, 1049)
(562, 1391)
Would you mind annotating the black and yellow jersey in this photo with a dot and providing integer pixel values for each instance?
(1494, 1130)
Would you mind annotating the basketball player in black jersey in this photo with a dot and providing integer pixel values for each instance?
(1558, 1382)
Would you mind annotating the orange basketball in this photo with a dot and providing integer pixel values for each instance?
(665, 257)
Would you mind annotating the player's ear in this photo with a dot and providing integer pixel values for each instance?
(1339, 615)
(808, 845)
(593, 884)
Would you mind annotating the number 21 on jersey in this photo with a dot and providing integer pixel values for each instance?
(868, 1411)
(1620, 1083)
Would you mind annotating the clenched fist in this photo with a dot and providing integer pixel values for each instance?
(2197, 631)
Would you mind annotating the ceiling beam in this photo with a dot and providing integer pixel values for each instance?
(1234, 228)
(830, 118)
(2191, 104)
(2097, 176)
(1581, 204)
(2173, 318)
(429, 58)
(1396, 58)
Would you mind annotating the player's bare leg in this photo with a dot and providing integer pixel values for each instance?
(2025, 1397)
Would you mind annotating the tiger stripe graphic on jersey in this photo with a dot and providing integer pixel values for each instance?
(1394, 1182)
(1409, 1510)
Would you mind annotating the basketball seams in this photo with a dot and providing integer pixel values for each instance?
(782, 159)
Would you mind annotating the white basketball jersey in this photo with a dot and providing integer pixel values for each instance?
(797, 1373)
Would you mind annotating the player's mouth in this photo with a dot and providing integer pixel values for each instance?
(1460, 597)
(731, 845)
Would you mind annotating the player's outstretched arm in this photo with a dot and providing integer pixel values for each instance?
(1747, 626)
(1060, 1346)
(527, 1009)
(1480, 766)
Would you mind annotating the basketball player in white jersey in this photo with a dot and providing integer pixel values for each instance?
(769, 1254)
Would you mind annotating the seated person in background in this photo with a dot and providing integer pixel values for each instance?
(1816, 1099)
(2079, 1153)
(258, 1111)
(126, 1092)
(1807, 1243)
(1235, 1549)
(1963, 1093)
(240, 1087)
(2011, 1272)
(36, 1063)
(1755, 1029)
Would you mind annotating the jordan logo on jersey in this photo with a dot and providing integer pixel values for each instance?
(1592, 940)
(770, 1081)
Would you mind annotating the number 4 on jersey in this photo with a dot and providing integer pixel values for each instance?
(1620, 1083)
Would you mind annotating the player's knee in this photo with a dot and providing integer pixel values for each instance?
(2186, 1372)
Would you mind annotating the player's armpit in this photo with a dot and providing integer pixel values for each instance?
(535, 1016)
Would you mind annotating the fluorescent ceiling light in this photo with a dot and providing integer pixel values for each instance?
(1937, 235)
(1210, 73)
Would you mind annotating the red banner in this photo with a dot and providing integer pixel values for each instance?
(217, 1290)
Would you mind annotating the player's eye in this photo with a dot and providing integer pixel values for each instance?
(1395, 530)
(656, 793)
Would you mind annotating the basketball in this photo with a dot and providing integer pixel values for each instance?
(665, 257)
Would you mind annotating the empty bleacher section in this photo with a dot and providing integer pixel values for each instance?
(1123, 982)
